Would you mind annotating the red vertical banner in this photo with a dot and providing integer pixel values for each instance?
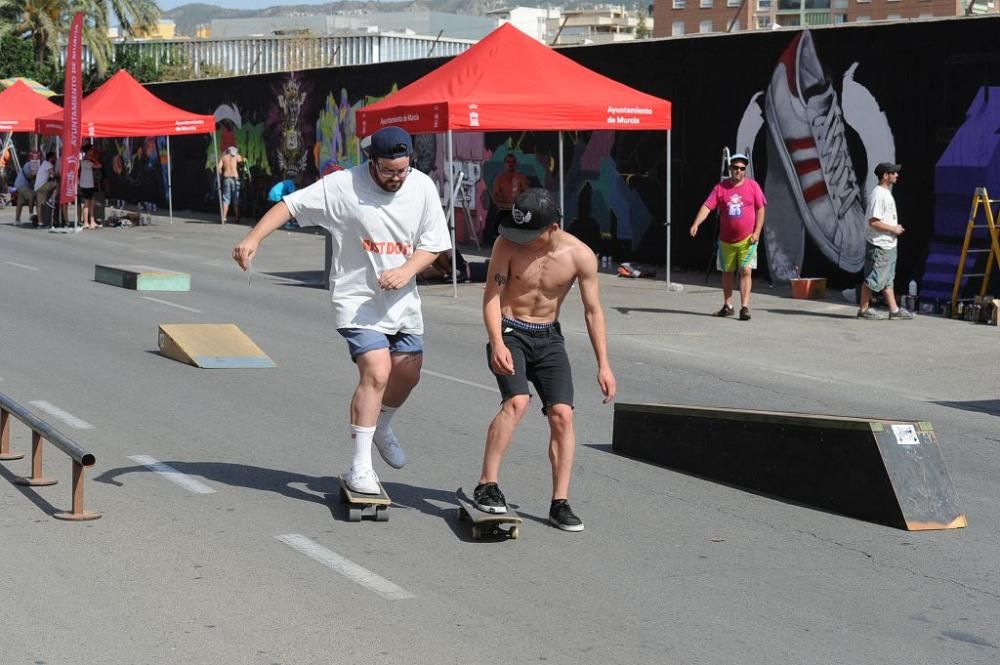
(72, 99)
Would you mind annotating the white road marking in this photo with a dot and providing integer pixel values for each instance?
(492, 389)
(172, 474)
(20, 265)
(64, 416)
(172, 304)
(345, 567)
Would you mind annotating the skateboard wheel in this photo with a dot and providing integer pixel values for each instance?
(354, 514)
(515, 533)
(382, 515)
(476, 533)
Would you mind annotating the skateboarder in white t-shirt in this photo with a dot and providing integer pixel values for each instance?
(387, 225)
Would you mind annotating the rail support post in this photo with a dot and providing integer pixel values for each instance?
(36, 479)
(5, 454)
(78, 514)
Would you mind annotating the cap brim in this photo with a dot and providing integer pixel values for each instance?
(520, 236)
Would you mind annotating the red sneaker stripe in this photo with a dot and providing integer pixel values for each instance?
(807, 143)
(807, 166)
(814, 192)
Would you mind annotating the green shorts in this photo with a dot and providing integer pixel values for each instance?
(733, 255)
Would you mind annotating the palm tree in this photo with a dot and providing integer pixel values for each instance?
(46, 24)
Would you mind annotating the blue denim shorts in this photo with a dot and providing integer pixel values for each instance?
(880, 267)
(230, 190)
(363, 340)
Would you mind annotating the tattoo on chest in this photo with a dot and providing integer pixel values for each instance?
(500, 279)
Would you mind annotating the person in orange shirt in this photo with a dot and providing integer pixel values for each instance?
(506, 187)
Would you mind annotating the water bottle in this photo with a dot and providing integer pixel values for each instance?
(913, 287)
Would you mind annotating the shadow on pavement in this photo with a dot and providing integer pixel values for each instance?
(990, 406)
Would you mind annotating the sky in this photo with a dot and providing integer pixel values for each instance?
(242, 4)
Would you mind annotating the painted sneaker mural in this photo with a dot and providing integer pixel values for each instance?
(811, 183)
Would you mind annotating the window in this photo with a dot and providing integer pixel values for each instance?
(734, 3)
(705, 4)
(763, 4)
(840, 18)
(736, 26)
(764, 22)
(787, 5)
(677, 29)
(840, 4)
(678, 4)
(705, 26)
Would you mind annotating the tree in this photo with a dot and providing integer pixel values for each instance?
(19, 60)
(45, 25)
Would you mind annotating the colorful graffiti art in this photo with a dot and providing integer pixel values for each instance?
(811, 182)
(293, 147)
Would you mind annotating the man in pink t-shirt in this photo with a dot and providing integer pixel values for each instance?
(741, 205)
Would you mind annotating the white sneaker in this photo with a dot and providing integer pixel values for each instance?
(807, 126)
(389, 449)
(363, 482)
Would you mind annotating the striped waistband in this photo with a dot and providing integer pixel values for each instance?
(526, 325)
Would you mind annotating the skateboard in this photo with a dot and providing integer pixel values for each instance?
(372, 506)
(484, 523)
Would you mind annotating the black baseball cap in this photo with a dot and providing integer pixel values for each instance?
(534, 211)
(388, 142)
(887, 167)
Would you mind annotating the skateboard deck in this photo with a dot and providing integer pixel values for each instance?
(372, 506)
(484, 523)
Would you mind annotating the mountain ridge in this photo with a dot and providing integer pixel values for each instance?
(187, 17)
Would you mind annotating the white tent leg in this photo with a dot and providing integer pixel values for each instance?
(670, 286)
(451, 215)
(562, 188)
(218, 180)
(170, 184)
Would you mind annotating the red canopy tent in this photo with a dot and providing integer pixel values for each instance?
(121, 107)
(20, 106)
(510, 81)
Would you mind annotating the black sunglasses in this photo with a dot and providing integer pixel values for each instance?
(738, 168)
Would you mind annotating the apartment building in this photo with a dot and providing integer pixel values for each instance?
(673, 18)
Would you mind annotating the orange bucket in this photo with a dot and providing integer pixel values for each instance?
(809, 288)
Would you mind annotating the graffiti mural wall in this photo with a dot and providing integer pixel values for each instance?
(815, 109)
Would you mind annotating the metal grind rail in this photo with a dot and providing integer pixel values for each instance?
(41, 432)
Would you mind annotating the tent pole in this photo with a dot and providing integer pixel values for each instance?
(218, 180)
(562, 189)
(667, 178)
(170, 184)
(451, 214)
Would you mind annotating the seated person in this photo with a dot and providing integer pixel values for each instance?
(440, 269)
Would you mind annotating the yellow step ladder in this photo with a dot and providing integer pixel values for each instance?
(979, 200)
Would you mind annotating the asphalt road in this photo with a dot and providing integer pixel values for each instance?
(239, 553)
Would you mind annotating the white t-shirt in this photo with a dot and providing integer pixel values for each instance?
(881, 206)
(44, 173)
(373, 231)
(86, 174)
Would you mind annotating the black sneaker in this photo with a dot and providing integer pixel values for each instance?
(562, 516)
(727, 310)
(489, 499)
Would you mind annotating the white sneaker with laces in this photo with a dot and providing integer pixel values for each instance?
(807, 126)
(364, 481)
(389, 448)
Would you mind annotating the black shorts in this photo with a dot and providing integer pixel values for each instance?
(539, 357)
(87, 193)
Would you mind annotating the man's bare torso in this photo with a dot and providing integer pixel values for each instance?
(539, 279)
(229, 164)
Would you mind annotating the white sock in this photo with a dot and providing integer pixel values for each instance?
(362, 438)
(385, 417)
